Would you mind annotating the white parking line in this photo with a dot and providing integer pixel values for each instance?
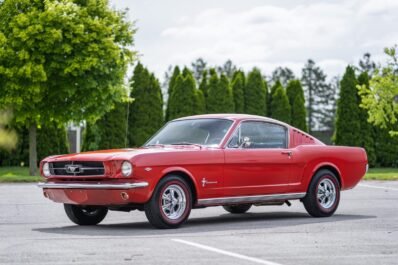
(377, 187)
(226, 253)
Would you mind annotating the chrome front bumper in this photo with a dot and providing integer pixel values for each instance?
(93, 186)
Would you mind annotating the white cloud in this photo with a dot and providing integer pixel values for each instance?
(270, 35)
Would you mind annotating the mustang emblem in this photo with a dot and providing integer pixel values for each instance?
(73, 169)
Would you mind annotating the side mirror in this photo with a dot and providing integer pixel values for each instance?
(245, 143)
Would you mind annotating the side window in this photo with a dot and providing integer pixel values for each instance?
(258, 134)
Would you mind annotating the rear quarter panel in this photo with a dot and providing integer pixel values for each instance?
(349, 162)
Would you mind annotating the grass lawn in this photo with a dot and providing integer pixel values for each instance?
(382, 174)
(17, 174)
(21, 174)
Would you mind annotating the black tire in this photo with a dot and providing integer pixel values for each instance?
(160, 218)
(236, 209)
(85, 215)
(316, 206)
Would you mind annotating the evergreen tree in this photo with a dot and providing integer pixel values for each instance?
(274, 87)
(183, 101)
(220, 99)
(348, 125)
(198, 68)
(109, 131)
(320, 97)
(228, 69)
(367, 129)
(238, 86)
(386, 150)
(146, 111)
(255, 94)
(204, 87)
(280, 105)
(283, 75)
(172, 81)
(200, 102)
(295, 94)
(366, 64)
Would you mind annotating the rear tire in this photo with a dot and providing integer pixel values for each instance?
(323, 195)
(171, 203)
(236, 209)
(85, 215)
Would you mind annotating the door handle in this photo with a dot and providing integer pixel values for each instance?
(289, 153)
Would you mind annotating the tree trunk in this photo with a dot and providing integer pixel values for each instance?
(32, 150)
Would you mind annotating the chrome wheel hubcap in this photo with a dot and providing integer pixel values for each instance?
(173, 202)
(326, 193)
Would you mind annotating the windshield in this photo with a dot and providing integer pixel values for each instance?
(209, 132)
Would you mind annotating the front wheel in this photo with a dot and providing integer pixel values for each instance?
(171, 203)
(85, 215)
(323, 195)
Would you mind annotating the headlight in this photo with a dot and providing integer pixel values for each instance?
(46, 169)
(127, 169)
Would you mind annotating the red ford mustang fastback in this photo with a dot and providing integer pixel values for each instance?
(228, 160)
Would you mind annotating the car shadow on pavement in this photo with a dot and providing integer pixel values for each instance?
(223, 222)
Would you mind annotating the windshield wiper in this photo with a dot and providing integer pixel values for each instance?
(187, 143)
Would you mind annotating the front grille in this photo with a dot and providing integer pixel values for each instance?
(77, 168)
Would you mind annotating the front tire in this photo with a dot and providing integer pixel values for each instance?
(171, 203)
(237, 209)
(323, 195)
(85, 215)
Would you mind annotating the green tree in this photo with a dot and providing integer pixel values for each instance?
(220, 98)
(274, 87)
(198, 69)
(146, 111)
(320, 97)
(380, 99)
(255, 94)
(280, 105)
(204, 87)
(8, 138)
(238, 86)
(367, 129)
(348, 126)
(172, 81)
(109, 131)
(183, 100)
(58, 143)
(295, 94)
(283, 75)
(19, 156)
(66, 58)
(228, 69)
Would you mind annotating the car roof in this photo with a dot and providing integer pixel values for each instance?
(233, 116)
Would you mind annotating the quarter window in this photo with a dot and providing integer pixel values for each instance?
(258, 134)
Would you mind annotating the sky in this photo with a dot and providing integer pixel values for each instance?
(261, 33)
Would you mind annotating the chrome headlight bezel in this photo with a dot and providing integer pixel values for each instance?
(46, 169)
(126, 169)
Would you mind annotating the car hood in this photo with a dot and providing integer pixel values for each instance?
(117, 154)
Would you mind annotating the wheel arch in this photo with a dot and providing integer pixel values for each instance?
(185, 175)
(328, 166)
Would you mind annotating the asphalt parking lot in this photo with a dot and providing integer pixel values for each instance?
(363, 231)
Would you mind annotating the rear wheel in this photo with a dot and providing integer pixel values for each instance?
(323, 195)
(237, 208)
(171, 203)
(85, 215)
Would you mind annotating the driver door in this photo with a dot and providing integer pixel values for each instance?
(257, 160)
